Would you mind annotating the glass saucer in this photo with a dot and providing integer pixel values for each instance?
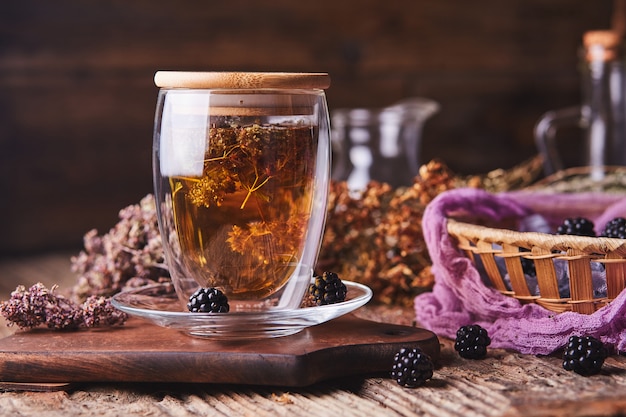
(163, 308)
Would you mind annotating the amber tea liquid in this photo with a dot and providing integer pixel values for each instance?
(241, 225)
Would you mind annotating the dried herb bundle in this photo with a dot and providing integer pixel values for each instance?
(38, 305)
(377, 239)
(130, 254)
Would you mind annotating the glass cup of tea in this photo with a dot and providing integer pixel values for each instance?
(241, 175)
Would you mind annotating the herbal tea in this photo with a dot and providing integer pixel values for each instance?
(241, 225)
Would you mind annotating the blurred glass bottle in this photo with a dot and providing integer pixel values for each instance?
(603, 105)
(601, 113)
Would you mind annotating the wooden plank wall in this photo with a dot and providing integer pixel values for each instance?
(77, 99)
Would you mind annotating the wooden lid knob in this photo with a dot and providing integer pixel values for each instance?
(241, 80)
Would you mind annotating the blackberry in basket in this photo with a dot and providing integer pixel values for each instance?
(584, 355)
(615, 228)
(528, 265)
(578, 226)
(208, 300)
(411, 367)
(472, 341)
(327, 289)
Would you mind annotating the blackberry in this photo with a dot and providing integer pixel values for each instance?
(327, 289)
(208, 300)
(411, 367)
(578, 226)
(528, 265)
(472, 341)
(615, 228)
(584, 355)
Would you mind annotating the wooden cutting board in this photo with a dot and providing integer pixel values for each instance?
(142, 352)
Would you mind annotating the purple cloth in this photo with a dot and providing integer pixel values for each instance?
(459, 296)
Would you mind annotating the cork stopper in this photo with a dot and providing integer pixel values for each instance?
(241, 80)
(601, 45)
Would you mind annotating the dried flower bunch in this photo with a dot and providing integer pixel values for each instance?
(377, 238)
(39, 305)
(130, 254)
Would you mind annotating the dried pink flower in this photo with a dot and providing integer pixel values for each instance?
(38, 305)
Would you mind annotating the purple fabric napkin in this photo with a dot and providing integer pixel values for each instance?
(459, 296)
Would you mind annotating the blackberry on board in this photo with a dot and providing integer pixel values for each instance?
(584, 355)
(472, 341)
(615, 228)
(578, 226)
(208, 300)
(327, 289)
(411, 367)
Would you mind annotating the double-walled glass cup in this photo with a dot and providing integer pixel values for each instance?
(241, 176)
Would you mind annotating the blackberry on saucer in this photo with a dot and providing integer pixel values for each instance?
(208, 300)
(327, 289)
(411, 367)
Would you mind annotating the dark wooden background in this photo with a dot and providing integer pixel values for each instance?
(77, 98)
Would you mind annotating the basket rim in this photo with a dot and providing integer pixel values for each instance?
(592, 245)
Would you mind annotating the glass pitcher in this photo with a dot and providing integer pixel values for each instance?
(381, 144)
(601, 114)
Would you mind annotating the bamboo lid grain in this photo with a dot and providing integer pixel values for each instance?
(241, 80)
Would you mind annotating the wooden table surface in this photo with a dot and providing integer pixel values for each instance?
(503, 384)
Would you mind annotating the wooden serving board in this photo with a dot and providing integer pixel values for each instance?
(142, 352)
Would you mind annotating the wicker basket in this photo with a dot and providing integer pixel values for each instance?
(543, 249)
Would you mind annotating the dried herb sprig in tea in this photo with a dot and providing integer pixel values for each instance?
(237, 158)
(240, 220)
(40, 306)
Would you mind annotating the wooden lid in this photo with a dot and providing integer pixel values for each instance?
(241, 80)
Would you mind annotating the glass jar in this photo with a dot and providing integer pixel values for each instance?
(241, 177)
